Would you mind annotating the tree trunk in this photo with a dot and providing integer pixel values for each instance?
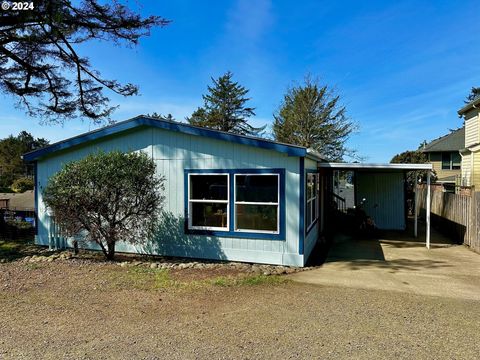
(110, 250)
(75, 247)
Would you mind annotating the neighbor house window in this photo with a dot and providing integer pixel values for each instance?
(257, 202)
(312, 200)
(451, 161)
(208, 201)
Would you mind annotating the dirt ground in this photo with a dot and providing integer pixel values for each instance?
(84, 310)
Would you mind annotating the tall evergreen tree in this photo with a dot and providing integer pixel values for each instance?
(311, 115)
(474, 95)
(225, 108)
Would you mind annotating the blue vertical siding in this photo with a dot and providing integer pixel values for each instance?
(173, 152)
(313, 234)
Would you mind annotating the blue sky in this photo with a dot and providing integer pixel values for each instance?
(403, 68)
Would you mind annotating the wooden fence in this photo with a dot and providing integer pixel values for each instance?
(457, 213)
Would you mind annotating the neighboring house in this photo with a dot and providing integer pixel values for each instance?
(18, 201)
(471, 152)
(444, 154)
(228, 196)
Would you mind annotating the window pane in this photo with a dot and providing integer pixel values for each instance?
(314, 210)
(209, 214)
(208, 187)
(310, 186)
(456, 160)
(308, 218)
(256, 217)
(446, 161)
(257, 188)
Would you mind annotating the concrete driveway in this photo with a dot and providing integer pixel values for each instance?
(399, 262)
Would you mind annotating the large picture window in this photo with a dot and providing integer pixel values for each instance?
(312, 200)
(241, 203)
(257, 202)
(208, 201)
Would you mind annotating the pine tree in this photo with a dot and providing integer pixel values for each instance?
(311, 115)
(225, 108)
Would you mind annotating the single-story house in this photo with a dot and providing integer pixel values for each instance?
(227, 196)
(17, 201)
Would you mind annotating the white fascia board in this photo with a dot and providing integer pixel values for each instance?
(353, 166)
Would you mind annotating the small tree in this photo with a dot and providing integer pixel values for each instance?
(413, 157)
(109, 197)
(311, 115)
(225, 108)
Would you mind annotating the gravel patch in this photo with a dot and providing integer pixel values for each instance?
(68, 309)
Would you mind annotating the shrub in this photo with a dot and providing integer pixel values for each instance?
(108, 197)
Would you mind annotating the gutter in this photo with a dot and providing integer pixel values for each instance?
(472, 105)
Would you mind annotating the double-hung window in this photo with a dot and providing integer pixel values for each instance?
(257, 203)
(208, 201)
(312, 200)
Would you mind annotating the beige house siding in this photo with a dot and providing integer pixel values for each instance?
(466, 169)
(476, 169)
(436, 160)
(472, 128)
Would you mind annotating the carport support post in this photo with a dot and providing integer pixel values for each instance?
(428, 209)
(415, 202)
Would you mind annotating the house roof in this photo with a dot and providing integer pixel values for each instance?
(19, 201)
(292, 150)
(451, 142)
(471, 105)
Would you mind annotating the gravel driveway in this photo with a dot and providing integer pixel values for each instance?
(72, 311)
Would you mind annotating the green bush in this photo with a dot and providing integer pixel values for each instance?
(23, 184)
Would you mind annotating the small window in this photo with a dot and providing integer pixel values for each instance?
(456, 161)
(446, 161)
(312, 200)
(208, 201)
(257, 202)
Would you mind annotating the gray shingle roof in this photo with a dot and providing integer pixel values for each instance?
(451, 142)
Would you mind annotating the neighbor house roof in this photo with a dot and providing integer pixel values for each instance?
(471, 105)
(292, 150)
(19, 201)
(451, 142)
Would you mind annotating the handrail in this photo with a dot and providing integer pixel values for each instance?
(341, 202)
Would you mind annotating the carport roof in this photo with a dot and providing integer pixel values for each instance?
(364, 166)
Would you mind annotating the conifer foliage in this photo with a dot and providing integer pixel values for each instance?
(225, 108)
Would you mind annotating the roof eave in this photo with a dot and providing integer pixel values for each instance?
(291, 150)
(475, 104)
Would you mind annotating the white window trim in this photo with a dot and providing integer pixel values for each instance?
(312, 199)
(190, 201)
(235, 202)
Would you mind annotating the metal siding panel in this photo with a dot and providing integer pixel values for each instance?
(386, 190)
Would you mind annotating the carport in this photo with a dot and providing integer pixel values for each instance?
(384, 187)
